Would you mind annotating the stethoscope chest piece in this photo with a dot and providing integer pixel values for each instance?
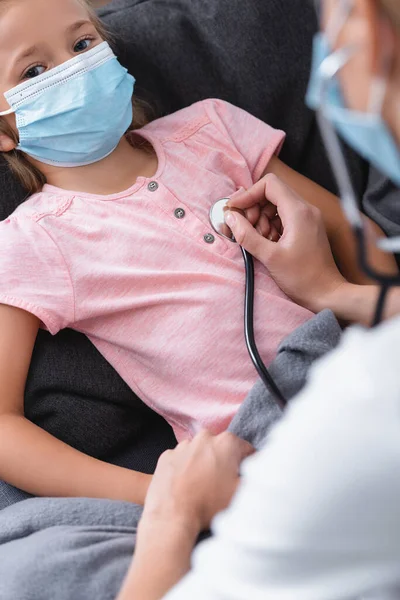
(217, 219)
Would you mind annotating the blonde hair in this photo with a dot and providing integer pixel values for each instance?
(31, 178)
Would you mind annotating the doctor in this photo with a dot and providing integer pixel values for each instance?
(317, 512)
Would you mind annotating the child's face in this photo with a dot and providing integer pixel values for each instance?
(37, 35)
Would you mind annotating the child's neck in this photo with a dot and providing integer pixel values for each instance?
(115, 173)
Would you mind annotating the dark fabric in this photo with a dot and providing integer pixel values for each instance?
(255, 54)
(73, 393)
(382, 203)
(102, 416)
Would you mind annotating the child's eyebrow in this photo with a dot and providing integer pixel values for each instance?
(78, 25)
(26, 54)
(33, 49)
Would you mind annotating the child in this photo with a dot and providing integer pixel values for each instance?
(115, 242)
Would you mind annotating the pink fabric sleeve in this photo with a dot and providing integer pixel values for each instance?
(33, 274)
(256, 141)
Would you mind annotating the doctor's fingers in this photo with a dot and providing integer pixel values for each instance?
(272, 193)
(256, 213)
(268, 228)
(248, 237)
(253, 197)
(259, 218)
(253, 213)
(277, 223)
(233, 446)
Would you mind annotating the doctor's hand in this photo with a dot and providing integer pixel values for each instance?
(196, 480)
(301, 261)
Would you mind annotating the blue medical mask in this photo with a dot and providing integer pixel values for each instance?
(367, 133)
(75, 114)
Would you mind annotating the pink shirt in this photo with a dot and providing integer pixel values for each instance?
(159, 298)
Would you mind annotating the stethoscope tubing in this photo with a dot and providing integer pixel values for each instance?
(249, 332)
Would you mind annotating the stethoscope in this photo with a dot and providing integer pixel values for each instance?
(330, 68)
(217, 220)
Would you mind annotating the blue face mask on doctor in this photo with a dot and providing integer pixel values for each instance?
(75, 114)
(367, 133)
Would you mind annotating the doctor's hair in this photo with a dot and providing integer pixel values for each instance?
(392, 9)
(29, 176)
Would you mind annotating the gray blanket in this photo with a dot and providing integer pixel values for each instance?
(289, 370)
(65, 548)
(59, 549)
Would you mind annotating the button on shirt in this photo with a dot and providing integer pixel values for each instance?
(159, 295)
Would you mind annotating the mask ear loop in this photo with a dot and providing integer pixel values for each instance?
(379, 86)
(340, 16)
(381, 82)
(7, 112)
(338, 20)
(377, 96)
(376, 104)
(329, 69)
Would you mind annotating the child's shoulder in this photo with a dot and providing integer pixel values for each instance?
(185, 122)
(22, 233)
(41, 204)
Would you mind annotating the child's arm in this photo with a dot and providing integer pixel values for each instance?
(32, 459)
(337, 227)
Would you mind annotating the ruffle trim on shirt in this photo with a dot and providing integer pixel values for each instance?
(188, 130)
(57, 212)
(43, 204)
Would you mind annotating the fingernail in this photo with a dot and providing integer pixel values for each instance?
(230, 219)
(236, 194)
(238, 191)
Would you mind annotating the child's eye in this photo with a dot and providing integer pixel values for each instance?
(82, 45)
(34, 72)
